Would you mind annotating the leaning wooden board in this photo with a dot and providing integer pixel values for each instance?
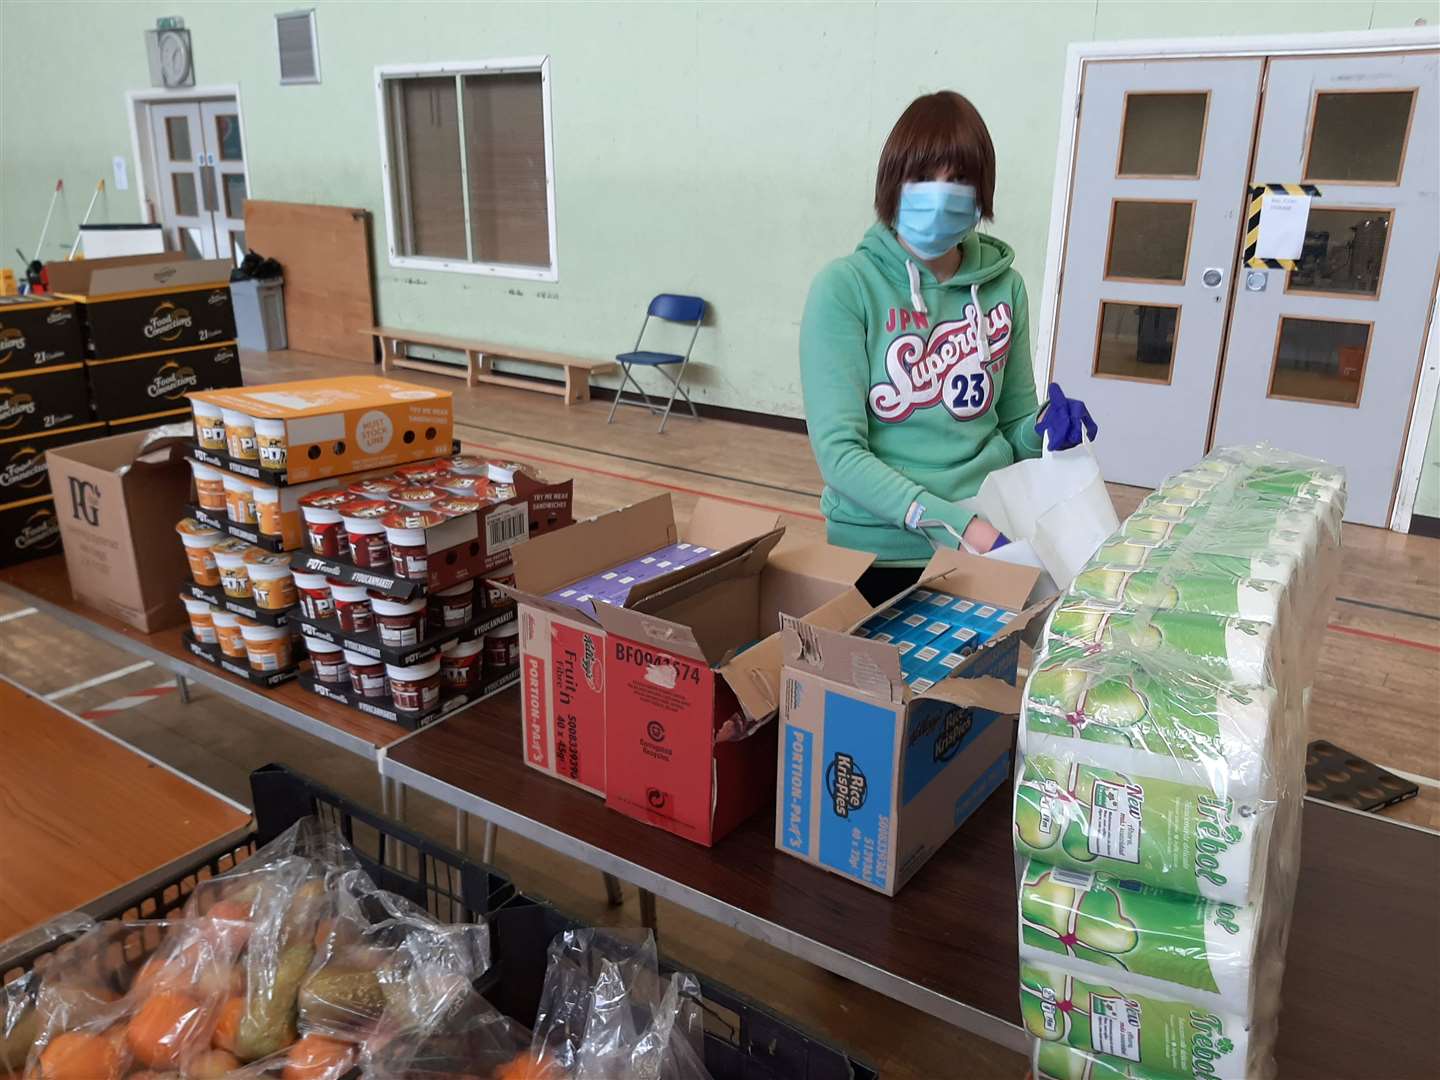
(329, 291)
(83, 815)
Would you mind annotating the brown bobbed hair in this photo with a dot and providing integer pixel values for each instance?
(936, 133)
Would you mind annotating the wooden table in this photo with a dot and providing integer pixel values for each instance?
(1361, 971)
(86, 821)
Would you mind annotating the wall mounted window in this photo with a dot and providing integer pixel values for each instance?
(468, 167)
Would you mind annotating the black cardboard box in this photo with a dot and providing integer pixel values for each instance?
(140, 304)
(38, 331)
(28, 530)
(23, 474)
(143, 423)
(145, 385)
(46, 399)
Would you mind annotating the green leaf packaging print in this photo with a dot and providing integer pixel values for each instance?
(1234, 650)
(1173, 1038)
(1200, 593)
(1172, 836)
(1099, 926)
(1056, 1061)
(1118, 711)
(1126, 554)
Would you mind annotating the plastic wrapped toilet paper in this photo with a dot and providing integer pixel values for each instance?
(1125, 553)
(1235, 650)
(1056, 1061)
(1098, 926)
(1199, 593)
(1173, 836)
(1166, 1038)
(1117, 711)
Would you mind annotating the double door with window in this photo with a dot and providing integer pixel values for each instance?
(1177, 344)
(200, 170)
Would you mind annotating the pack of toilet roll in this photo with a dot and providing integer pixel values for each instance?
(1160, 774)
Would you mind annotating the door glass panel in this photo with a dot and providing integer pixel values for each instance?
(190, 242)
(1148, 240)
(186, 204)
(227, 128)
(177, 137)
(1320, 360)
(1163, 134)
(1343, 253)
(234, 194)
(1359, 137)
(237, 246)
(1137, 341)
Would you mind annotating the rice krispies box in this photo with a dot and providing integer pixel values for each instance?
(349, 423)
(897, 722)
(562, 626)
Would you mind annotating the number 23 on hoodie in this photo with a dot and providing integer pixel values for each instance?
(907, 398)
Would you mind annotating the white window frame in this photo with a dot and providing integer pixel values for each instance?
(394, 226)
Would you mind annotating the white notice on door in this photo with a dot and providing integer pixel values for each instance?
(1282, 226)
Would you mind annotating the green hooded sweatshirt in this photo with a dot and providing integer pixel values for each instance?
(904, 401)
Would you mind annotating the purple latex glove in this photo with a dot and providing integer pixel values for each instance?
(1063, 418)
(1000, 541)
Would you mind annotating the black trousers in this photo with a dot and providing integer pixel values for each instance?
(880, 583)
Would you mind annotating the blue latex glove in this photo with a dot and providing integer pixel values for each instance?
(1062, 419)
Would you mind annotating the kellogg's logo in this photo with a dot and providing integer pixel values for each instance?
(948, 368)
(172, 380)
(14, 406)
(41, 530)
(26, 468)
(11, 338)
(167, 322)
(589, 658)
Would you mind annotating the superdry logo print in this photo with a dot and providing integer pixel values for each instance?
(947, 369)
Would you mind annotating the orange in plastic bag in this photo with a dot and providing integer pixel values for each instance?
(164, 1028)
(317, 1058)
(81, 1056)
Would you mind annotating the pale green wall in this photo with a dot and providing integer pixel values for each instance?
(1427, 500)
(724, 149)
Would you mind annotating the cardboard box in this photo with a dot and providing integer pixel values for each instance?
(22, 459)
(691, 683)
(562, 647)
(348, 424)
(148, 421)
(872, 776)
(38, 331)
(117, 508)
(146, 385)
(135, 305)
(45, 399)
(28, 530)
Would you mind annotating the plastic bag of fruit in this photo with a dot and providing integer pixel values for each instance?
(470, 1041)
(20, 1018)
(606, 1012)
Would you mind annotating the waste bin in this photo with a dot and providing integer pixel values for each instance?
(259, 312)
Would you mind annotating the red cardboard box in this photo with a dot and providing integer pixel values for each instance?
(562, 648)
(693, 680)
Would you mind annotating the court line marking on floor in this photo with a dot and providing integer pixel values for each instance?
(1387, 638)
(642, 461)
(1387, 607)
(99, 680)
(17, 614)
(1414, 778)
(129, 701)
(643, 480)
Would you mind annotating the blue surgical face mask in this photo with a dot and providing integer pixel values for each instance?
(935, 216)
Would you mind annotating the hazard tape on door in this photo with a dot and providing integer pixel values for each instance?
(1252, 222)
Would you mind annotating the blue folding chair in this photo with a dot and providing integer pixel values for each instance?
(671, 308)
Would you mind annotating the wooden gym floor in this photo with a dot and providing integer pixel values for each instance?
(1376, 694)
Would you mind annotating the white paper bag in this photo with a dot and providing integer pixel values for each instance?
(1056, 503)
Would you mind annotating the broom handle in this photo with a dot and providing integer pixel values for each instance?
(86, 219)
(46, 227)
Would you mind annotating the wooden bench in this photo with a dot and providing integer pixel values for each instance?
(479, 357)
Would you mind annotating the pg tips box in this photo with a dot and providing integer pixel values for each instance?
(693, 681)
(563, 629)
(880, 762)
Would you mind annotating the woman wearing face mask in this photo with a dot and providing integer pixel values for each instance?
(909, 405)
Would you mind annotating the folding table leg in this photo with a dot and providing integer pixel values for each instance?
(182, 684)
(647, 912)
(462, 832)
(487, 846)
(613, 893)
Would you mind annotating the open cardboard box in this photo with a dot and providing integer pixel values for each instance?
(117, 501)
(348, 423)
(139, 304)
(874, 777)
(562, 648)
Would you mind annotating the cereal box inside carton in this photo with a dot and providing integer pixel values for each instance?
(349, 423)
(876, 767)
(694, 677)
(562, 639)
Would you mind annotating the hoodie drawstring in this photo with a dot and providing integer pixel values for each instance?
(918, 303)
(916, 300)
